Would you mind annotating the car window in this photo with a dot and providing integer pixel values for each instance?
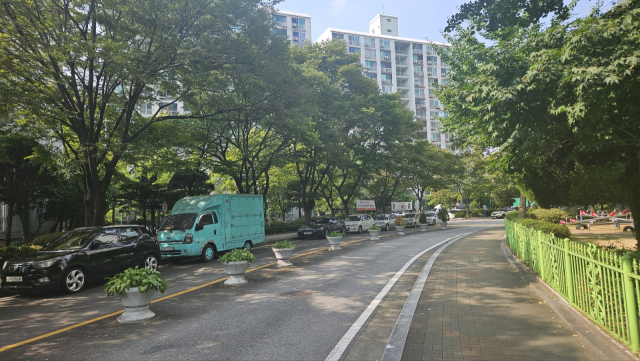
(366, 218)
(353, 218)
(72, 240)
(107, 237)
(206, 219)
(129, 234)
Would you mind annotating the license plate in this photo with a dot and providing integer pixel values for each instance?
(14, 279)
(307, 233)
(166, 249)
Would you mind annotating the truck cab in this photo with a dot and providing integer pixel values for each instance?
(202, 226)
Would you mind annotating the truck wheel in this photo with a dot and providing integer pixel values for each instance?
(208, 253)
(248, 246)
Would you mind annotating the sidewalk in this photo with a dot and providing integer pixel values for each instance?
(476, 306)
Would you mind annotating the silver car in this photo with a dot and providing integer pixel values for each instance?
(385, 221)
(411, 219)
(432, 218)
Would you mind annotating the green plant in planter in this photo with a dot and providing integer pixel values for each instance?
(423, 218)
(335, 234)
(375, 228)
(143, 278)
(283, 244)
(237, 255)
(399, 221)
(443, 216)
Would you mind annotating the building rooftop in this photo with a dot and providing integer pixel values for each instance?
(291, 13)
(387, 37)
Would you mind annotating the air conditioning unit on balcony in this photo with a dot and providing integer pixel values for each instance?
(429, 63)
(433, 117)
(294, 25)
(295, 38)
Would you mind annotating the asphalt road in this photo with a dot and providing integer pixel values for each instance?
(257, 321)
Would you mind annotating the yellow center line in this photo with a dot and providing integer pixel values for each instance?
(8, 347)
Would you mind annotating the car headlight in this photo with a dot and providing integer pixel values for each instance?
(5, 265)
(188, 238)
(45, 264)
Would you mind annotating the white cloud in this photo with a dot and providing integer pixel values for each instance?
(336, 7)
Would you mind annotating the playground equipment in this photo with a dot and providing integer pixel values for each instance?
(616, 217)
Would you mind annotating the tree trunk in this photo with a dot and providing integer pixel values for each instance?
(308, 208)
(523, 206)
(113, 216)
(466, 209)
(7, 240)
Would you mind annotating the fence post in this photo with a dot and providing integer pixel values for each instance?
(541, 257)
(568, 273)
(630, 304)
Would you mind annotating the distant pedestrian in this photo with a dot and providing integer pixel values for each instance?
(484, 210)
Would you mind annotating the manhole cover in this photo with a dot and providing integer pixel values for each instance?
(295, 294)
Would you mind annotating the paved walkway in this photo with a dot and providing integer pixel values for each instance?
(476, 306)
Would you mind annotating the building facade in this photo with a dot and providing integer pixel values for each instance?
(295, 26)
(408, 66)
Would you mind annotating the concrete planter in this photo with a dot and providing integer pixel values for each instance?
(334, 243)
(136, 305)
(400, 230)
(443, 225)
(373, 234)
(423, 227)
(235, 271)
(283, 255)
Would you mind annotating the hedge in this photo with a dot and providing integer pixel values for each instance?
(281, 227)
(7, 253)
(550, 215)
(44, 239)
(558, 230)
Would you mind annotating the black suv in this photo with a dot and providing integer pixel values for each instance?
(80, 255)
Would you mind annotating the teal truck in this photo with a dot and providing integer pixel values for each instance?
(205, 225)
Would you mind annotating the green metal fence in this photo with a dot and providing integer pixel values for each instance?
(602, 285)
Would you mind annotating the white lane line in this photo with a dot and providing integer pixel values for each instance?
(344, 342)
(395, 346)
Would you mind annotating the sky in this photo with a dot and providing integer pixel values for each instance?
(416, 19)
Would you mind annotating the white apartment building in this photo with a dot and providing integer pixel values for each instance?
(295, 26)
(408, 66)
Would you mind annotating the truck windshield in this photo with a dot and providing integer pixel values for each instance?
(72, 240)
(182, 222)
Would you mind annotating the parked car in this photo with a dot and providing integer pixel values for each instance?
(411, 219)
(320, 227)
(81, 255)
(358, 223)
(501, 212)
(385, 221)
(432, 218)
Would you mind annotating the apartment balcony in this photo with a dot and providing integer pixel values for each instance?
(419, 84)
(385, 70)
(429, 62)
(417, 62)
(387, 81)
(403, 85)
(401, 52)
(421, 116)
(431, 95)
(430, 73)
(372, 69)
(385, 47)
(370, 57)
(418, 73)
(401, 62)
(436, 140)
(281, 24)
(302, 28)
(432, 117)
(420, 95)
(429, 51)
(402, 74)
(421, 106)
(354, 43)
(417, 51)
(385, 58)
(433, 129)
(369, 45)
(295, 38)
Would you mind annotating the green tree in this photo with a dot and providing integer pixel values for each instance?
(471, 182)
(24, 181)
(81, 69)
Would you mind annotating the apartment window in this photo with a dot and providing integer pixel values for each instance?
(370, 65)
(371, 75)
(421, 102)
(388, 30)
(296, 36)
(146, 109)
(388, 89)
(336, 35)
(417, 47)
(439, 146)
(281, 32)
(443, 82)
(386, 66)
(171, 109)
(370, 54)
(280, 19)
(432, 60)
(433, 82)
(297, 23)
(385, 44)
(446, 137)
(448, 147)
(428, 49)
(444, 72)
(369, 42)
(432, 71)
(385, 55)
(419, 93)
(354, 40)
(417, 70)
(354, 50)
(388, 20)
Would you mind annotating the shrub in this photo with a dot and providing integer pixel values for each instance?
(45, 239)
(283, 244)
(553, 215)
(143, 278)
(443, 215)
(7, 253)
(423, 218)
(237, 255)
(374, 228)
(335, 234)
(399, 221)
(558, 230)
